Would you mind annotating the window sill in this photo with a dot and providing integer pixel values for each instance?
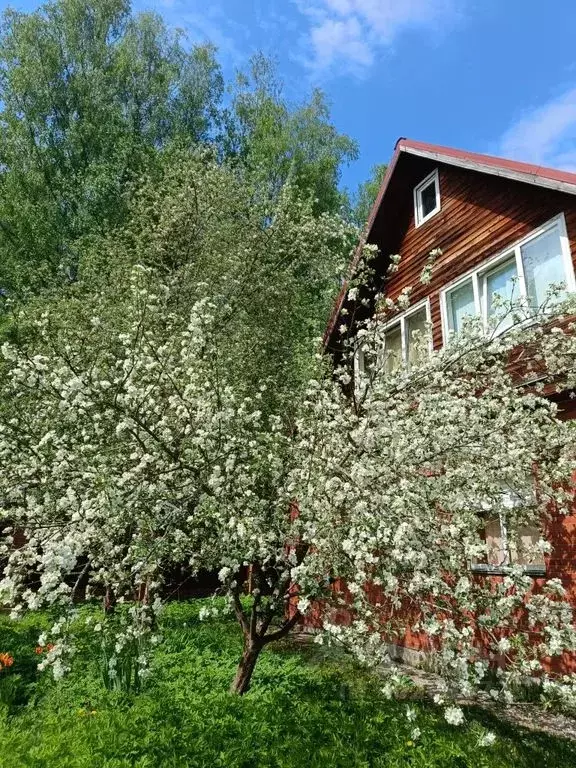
(426, 219)
(536, 571)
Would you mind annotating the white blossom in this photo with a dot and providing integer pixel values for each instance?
(454, 715)
(144, 456)
(487, 739)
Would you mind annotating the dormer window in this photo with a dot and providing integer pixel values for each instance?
(427, 198)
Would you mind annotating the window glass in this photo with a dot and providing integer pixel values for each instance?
(416, 330)
(460, 302)
(543, 265)
(502, 282)
(366, 361)
(524, 275)
(511, 542)
(393, 349)
(522, 543)
(495, 543)
(428, 199)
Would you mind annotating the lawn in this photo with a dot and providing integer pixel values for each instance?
(305, 709)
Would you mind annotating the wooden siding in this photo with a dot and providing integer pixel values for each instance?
(480, 217)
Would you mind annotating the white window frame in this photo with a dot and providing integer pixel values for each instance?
(359, 368)
(513, 251)
(401, 321)
(419, 219)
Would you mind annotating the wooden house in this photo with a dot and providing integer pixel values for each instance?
(498, 224)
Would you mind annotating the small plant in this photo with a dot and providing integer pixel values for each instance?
(121, 671)
(8, 683)
(124, 650)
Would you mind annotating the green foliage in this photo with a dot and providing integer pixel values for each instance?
(366, 195)
(306, 708)
(276, 141)
(91, 95)
(271, 265)
(21, 682)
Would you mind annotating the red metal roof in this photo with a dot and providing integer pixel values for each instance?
(539, 175)
(536, 171)
(512, 169)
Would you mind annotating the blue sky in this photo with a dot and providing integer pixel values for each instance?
(495, 76)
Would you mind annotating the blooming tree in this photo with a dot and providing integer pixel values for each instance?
(146, 415)
(130, 443)
(135, 458)
(396, 486)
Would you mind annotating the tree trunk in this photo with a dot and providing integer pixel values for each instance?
(246, 666)
(109, 601)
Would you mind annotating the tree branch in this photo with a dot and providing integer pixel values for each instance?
(284, 629)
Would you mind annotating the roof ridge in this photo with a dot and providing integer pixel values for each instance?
(538, 170)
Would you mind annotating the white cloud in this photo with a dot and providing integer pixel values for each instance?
(347, 34)
(340, 38)
(545, 135)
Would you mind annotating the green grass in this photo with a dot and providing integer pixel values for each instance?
(303, 710)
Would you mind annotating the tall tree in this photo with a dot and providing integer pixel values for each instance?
(209, 275)
(89, 94)
(276, 140)
(366, 195)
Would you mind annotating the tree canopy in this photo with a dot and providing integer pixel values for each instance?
(366, 195)
(91, 96)
(214, 281)
(172, 420)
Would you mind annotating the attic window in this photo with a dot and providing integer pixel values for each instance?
(427, 198)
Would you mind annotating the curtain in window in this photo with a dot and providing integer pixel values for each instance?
(502, 283)
(417, 349)
(522, 543)
(511, 545)
(497, 550)
(393, 349)
(460, 305)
